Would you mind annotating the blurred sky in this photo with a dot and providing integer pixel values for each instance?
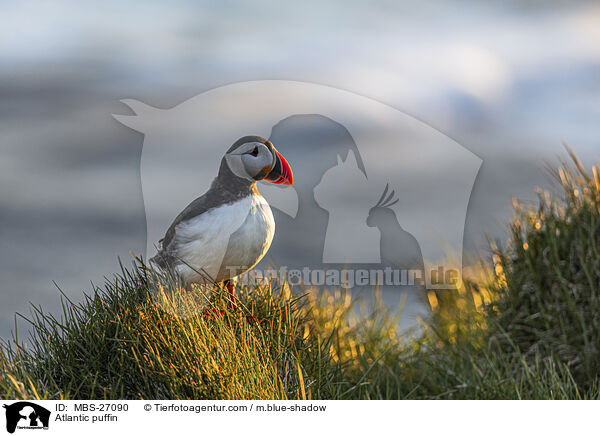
(509, 80)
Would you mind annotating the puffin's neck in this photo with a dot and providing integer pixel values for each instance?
(228, 184)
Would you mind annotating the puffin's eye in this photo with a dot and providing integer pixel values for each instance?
(255, 151)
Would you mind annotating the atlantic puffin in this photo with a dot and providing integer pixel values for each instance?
(229, 229)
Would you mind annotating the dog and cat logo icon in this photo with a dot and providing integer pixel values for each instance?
(26, 415)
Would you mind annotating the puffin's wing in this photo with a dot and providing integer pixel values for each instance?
(201, 242)
(166, 250)
(195, 208)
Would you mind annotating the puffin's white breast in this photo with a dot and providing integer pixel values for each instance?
(225, 241)
(248, 245)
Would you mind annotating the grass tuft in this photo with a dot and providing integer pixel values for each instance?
(549, 275)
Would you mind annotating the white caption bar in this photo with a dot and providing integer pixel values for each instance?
(299, 417)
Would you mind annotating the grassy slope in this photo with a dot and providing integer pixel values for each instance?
(527, 329)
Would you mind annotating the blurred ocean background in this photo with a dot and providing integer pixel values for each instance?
(508, 80)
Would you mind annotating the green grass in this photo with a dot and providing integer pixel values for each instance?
(524, 325)
(550, 303)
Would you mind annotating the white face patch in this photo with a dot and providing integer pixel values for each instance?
(249, 160)
(234, 161)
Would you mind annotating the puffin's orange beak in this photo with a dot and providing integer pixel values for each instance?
(281, 174)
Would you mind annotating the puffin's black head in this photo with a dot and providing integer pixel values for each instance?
(255, 158)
